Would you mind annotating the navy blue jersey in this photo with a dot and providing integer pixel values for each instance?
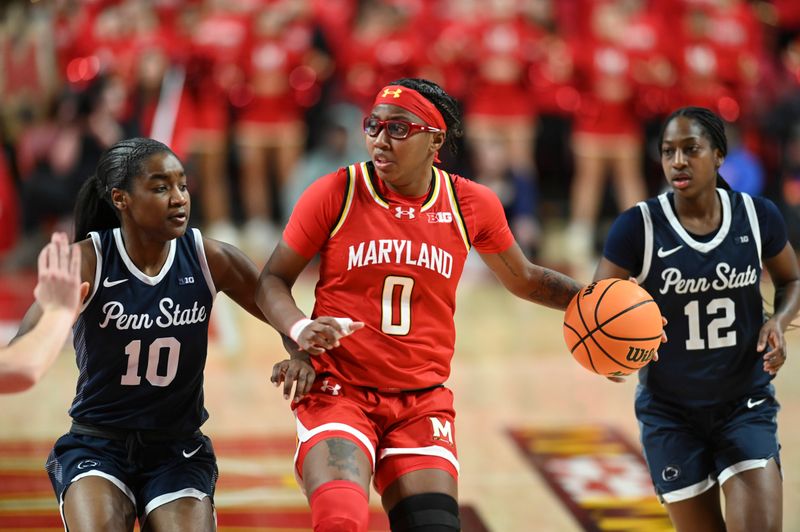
(141, 341)
(708, 288)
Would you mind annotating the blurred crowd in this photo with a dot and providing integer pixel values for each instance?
(562, 100)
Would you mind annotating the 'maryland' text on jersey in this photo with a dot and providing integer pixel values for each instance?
(394, 251)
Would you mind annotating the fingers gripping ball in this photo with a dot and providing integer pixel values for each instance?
(613, 327)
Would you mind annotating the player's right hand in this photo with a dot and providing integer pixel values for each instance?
(295, 372)
(59, 286)
(618, 379)
(324, 333)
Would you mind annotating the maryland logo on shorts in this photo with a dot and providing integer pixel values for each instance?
(442, 431)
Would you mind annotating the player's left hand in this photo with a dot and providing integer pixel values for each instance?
(771, 336)
(293, 372)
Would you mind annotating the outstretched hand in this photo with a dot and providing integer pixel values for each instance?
(323, 333)
(771, 336)
(293, 372)
(59, 285)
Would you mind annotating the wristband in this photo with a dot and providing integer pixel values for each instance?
(298, 327)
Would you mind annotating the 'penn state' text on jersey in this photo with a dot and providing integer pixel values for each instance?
(141, 341)
(709, 291)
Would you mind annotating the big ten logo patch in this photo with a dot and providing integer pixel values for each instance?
(440, 217)
(442, 431)
(188, 279)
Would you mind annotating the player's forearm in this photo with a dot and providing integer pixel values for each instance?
(787, 303)
(275, 300)
(25, 362)
(551, 288)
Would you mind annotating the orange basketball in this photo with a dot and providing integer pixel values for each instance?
(612, 327)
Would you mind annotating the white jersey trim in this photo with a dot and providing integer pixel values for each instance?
(161, 500)
(437, 186)
(703, 247)
(201, 256)
(372, 192)
(647, 256)
(689, 491)
(114, 480)
(754, 227)
(94, 473)
(433, 450)
(98, 268)
(146, 279)
(739, 467)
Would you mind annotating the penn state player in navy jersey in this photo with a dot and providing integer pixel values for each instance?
(135, 448)
(706, 409)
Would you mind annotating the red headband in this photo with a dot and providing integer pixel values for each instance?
(412, 101)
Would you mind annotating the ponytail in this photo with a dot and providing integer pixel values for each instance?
(92, 211)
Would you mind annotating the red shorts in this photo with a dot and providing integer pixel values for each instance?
(401, 432)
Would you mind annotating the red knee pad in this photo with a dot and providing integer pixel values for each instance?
(339, 506)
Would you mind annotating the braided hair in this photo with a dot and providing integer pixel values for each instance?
(446, 104)
(117, 167)
(713, 127)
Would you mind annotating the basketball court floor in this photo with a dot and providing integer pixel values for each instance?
(544, 445)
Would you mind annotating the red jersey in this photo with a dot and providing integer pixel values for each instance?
(394, 263)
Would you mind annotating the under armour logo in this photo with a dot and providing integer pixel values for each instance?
(334, 390)
(400, 213)
(394, 92)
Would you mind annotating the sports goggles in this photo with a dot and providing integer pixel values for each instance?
(396, 129)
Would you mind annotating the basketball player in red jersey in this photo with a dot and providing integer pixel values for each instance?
(393, 234)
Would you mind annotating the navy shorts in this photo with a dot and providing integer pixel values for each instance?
(688, 450)
(150, 474)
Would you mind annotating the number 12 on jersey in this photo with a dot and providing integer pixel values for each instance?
(721, 305)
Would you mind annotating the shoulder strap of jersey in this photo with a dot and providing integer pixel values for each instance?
(454, 206)
(647, 255)
(98, 268)
(347, 201)
(200, 249)
(753, 218)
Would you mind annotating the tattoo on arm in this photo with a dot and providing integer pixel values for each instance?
(554, 288)
(342, 456)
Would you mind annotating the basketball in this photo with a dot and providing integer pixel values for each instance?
(612, 327)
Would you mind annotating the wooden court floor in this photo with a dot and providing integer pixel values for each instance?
(511, 372)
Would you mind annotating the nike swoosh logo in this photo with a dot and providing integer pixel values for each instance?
(109, 284)
(189, 455)
(751, 403)
(661, 253)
